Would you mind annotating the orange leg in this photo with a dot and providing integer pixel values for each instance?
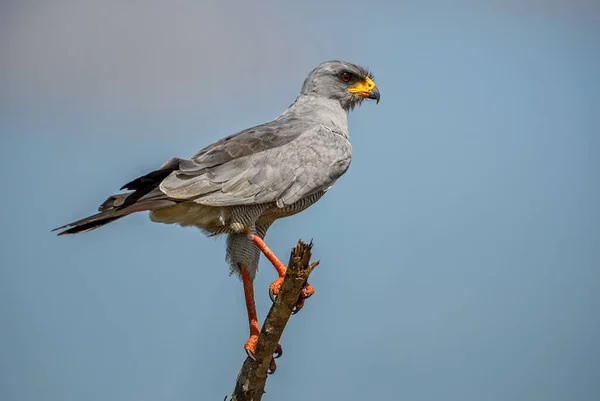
(275, 286)
(250, 345)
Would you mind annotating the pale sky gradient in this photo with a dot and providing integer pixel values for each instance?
(460, 253)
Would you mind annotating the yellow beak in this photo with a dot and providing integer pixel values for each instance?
(365, 88)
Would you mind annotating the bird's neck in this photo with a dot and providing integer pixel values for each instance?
(327, 112)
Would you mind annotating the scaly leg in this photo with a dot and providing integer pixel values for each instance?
(250, 345)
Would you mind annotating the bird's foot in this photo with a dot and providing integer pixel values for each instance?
(250, 345)
(272, 365)
(307, 291)
(275, 288)
(250, 348)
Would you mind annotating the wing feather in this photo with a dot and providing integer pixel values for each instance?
(278, 162)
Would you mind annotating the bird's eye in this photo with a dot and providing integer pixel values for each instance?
(345, 76)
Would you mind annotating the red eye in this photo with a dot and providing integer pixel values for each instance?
(345, 76)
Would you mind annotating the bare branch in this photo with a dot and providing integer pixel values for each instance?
(252, 378)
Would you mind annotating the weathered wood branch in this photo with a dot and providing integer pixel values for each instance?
(250, 384)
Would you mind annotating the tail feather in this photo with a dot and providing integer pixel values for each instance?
(109, 214)
(145, 196)
(81, 226)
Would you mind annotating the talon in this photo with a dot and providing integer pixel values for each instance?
(250, 355)
(275, 288)
(250, 346)
(299, 305)
(307, 291)
(278, 352)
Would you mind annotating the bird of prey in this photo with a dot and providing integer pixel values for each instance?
(241, 184)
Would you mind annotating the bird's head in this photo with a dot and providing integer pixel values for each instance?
(348, 83)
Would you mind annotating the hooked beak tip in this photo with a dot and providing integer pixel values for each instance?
(374, 94)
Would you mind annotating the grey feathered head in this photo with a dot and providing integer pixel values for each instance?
(348, 83)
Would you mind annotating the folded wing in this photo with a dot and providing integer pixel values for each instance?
(278, 162)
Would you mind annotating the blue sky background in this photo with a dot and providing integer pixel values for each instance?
(460, 253)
